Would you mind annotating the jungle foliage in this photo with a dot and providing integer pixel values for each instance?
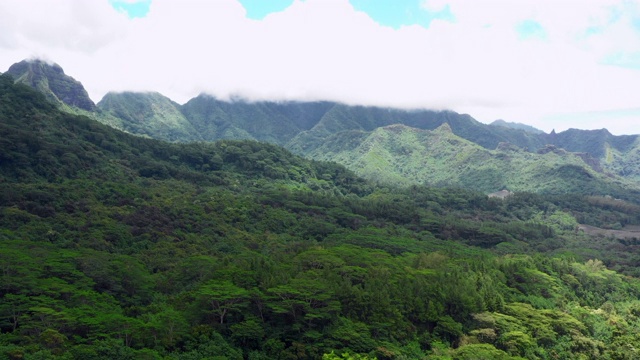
(120, 247)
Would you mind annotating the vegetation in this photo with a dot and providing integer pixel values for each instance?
(365, 140)
(269, 122)
(322, 128)
(352, 136)
(514, 125)
(115, 246)
(147, 113)
(51, 80)
(402, 155)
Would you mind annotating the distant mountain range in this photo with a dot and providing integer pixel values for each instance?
(383, 144)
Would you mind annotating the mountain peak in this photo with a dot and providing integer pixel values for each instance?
(147, 113)
(50, 79)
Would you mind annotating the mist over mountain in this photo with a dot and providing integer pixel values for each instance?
(320, 129)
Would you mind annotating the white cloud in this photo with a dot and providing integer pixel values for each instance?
(434, 6)
(74, 25)
(324, 49)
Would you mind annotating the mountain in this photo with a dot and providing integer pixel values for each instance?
(305, 127)
(311, 128)
(114, 246)
(519, 126)
(40, 142)
(617, 154)
(594, 142)
(150, 114)
(274, 122)
(366, 118)
(404, 155)
(51, 80)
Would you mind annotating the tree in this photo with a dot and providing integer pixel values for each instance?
(223, 297)
(308, 295)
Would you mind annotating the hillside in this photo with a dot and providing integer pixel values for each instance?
(150, 114)
(51, 80)
(270, 122)
(403, 155)
(513, 125)
(117, 246)
(307, 128)
(617, 154)
(346, 118)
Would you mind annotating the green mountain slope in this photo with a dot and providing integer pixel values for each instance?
(150, 114)
(361, 118)
(263, 121)
(114, 246)
(616, 154)
(520, 126)
(51, 80)
(594, 142)
(309, 128)
(403, 155)
(68, 145)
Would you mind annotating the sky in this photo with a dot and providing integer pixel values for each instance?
(552, 64)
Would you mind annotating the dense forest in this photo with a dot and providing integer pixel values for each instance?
(120, 247)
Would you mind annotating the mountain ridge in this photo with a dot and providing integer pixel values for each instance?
(304, 127)
(515, 125)
(441, 158)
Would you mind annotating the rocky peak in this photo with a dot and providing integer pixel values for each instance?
(51, 80)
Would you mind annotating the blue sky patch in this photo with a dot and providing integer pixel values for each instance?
(258, 9)
(392, 13)
(397, 13)
(629, 60)
(133, 9)
(531, 29)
